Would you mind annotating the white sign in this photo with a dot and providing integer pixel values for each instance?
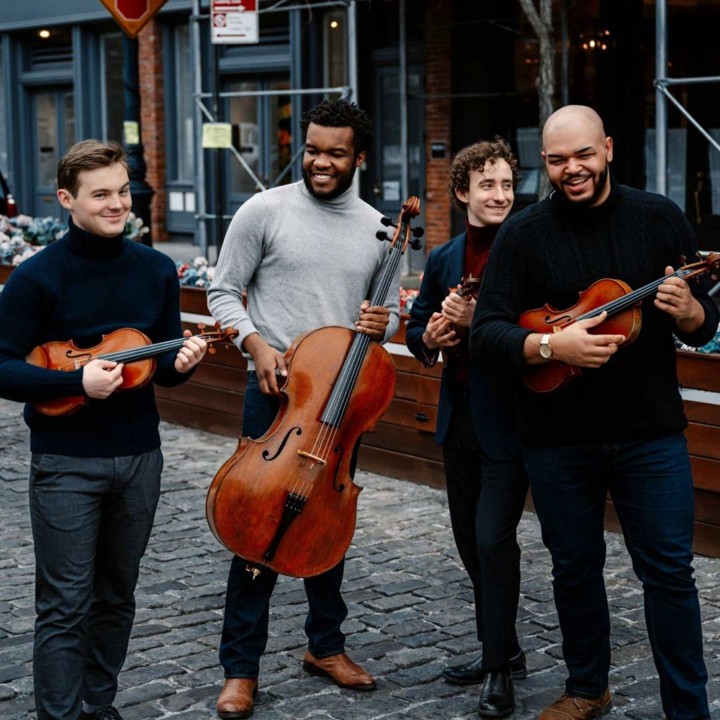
(234, 21)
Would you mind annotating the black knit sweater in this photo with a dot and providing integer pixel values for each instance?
(82, 287)
(550, 252)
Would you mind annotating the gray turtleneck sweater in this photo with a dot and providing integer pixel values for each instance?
(306, 263)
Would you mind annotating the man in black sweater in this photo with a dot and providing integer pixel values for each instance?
(95, 473)
(616, 425)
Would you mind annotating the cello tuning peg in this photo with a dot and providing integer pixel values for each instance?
(387, 222)
(415, 244)
(381, 235)
(418, 232)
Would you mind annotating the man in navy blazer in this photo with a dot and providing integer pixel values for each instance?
(485, 481)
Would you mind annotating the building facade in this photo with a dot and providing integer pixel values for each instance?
(434, 75)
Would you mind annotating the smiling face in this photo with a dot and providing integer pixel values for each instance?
(330, 161)
(577, 154)
(102, 203)
(489, 197)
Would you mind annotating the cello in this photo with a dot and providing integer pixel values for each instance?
(286, 501)
(615, 297)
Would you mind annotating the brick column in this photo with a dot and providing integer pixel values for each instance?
(438, 67)
(152, 123)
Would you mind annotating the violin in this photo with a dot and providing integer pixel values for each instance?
(615, 297)
(469, 288)
(126, 345)
(286, 501)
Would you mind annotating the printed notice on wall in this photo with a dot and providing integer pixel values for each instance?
(234, 21)
(217, 135)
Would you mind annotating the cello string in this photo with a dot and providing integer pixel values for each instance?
(351, 368)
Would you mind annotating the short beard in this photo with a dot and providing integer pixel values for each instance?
(344, 182)
(599, 190)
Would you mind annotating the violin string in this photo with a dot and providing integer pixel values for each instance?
(631, 298)
(133, 354)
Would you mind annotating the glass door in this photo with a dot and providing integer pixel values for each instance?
(53, 133)
(262, 130)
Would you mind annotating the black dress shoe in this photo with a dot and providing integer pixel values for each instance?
(106, 713)
(472, 673)
(497, 698)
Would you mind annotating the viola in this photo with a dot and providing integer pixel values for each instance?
(615, 297)
(126, 345)
(286, 501)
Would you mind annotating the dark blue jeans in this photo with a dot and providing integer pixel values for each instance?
(91, 521)
(247, 602)
(651, 486)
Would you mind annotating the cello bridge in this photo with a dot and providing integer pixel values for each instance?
(310, 456)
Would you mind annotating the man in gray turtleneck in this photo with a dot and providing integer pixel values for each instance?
(307, 255)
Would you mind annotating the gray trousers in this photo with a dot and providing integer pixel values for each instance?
(91, 521)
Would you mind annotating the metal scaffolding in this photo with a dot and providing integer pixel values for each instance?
(202, 112)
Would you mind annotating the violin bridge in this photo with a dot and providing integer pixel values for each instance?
(312, 457)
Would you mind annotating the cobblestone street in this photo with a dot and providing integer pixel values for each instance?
(409, 601)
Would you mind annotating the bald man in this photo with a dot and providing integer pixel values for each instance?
(617, 424)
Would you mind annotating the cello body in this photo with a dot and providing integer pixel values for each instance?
(286, 500)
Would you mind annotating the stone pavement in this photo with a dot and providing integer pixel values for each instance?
(409, 601)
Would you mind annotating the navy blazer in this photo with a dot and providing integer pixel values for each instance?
(492, 395)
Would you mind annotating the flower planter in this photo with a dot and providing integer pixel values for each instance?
(193, 300)
(699, 371)
(5, 271)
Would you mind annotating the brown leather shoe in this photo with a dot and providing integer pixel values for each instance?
(236, 698)
(577, 708)
(341, 670)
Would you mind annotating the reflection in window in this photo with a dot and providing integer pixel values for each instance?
(244, 115)
(335, 43)
(3, 119)
(184, 105)
(46, 129)
(113, 87)
(676, 163)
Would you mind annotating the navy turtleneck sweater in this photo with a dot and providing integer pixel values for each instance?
(550, 252)
(80, 288)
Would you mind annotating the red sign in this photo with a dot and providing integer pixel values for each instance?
(133, 15)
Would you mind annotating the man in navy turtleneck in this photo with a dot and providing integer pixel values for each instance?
(486, 484)
(95, 473)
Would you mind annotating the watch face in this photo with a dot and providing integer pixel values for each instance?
(545, 349)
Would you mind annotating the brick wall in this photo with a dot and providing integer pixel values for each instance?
(152, 123)
(438, 67)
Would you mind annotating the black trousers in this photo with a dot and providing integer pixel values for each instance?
(486, 500)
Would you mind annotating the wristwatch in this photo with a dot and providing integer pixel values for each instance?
(545, 347)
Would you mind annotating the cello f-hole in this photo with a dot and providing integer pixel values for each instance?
(338, 487)
(266, 454)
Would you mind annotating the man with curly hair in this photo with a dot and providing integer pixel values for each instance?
(308, 256)
(486, 485)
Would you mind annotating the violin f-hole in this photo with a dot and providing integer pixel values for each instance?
(266, 455)
(558, 320)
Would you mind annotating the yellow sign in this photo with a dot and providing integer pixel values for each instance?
(131, 132)
(217, 135)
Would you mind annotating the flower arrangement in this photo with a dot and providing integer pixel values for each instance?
(199, 273)
(407, 298)
(23, 236)
(712, 347)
